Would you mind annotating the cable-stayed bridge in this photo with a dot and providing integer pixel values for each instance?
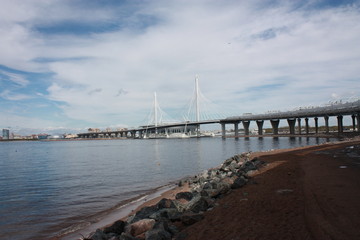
(161, 125)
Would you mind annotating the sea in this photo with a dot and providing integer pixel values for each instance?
(51, 188)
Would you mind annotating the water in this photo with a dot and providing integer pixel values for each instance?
(49, 187)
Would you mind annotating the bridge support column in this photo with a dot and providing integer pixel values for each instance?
(275, 126)
(316, 125)
(358, 121)
(291, 123)
(223, 130)
(260, 124)
(307, 125)
(340, 124)
(299, 125)
(236, 127)
(326, 124)
(354, 122)
(246, 125)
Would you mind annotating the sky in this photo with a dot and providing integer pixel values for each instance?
(68, 65)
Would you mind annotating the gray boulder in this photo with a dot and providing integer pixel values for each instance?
(184, 195)
(126, 236)
(166, 213)
(165, 203)
(160, 231)
(117, 228)
(238, 182)
(98, 235)
(143, 213)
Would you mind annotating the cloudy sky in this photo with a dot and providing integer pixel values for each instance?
(74, 64)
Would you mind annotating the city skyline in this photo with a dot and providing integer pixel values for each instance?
(66, 66)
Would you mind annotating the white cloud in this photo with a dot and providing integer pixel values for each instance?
(8, 95)
(237, 48)
(16, 78)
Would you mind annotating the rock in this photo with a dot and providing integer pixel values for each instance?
(181, 236)
(126, 236)
(248, 166)
(257, 162)
(238, 183)
(98, 235)
(181, 183)
(143, 213)
(197, 204)
(173, 229)
(160, 231)
(166, 213)
(114, 238)
(211, 193)
(223, 187)
(233, 166)
(139, 227)
(218, 188)
(117, 228)
(165, 203)
(184, 195)
(207, 185)
(189, 218)
(204, 174)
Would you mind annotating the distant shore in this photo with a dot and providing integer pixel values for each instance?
(311, 135)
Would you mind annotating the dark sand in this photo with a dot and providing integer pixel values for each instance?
(308, 193)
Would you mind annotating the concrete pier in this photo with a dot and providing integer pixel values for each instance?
(340, 124)
(326, 118)
(260, 124)
(223, 130)
(299, 125)
(236, 127)
(246, 125)
(275, 126)
(353, 122)
(316, 125)
(307, 125)
(291, 123)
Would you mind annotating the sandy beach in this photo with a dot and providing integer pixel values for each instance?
(304, 193)
(308, 193)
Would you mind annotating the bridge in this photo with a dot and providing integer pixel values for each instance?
(338, 110)
(189, 128)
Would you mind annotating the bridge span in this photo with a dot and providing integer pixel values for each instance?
(335, 110)
(292, 117)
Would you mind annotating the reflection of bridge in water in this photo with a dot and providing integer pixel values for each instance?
(192, 127)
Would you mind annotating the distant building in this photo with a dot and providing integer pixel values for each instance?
(70, 136)
(43, 136)
(94, 130)
(6, 134)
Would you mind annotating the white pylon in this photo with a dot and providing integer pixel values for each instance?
(155, 110)
(197, 98)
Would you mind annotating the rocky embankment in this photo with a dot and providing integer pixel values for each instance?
(167, 218)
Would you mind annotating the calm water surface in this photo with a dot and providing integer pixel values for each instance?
(48, 187)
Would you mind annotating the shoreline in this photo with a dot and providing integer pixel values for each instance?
(127, 207)
(280, 135)
(170, 192)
